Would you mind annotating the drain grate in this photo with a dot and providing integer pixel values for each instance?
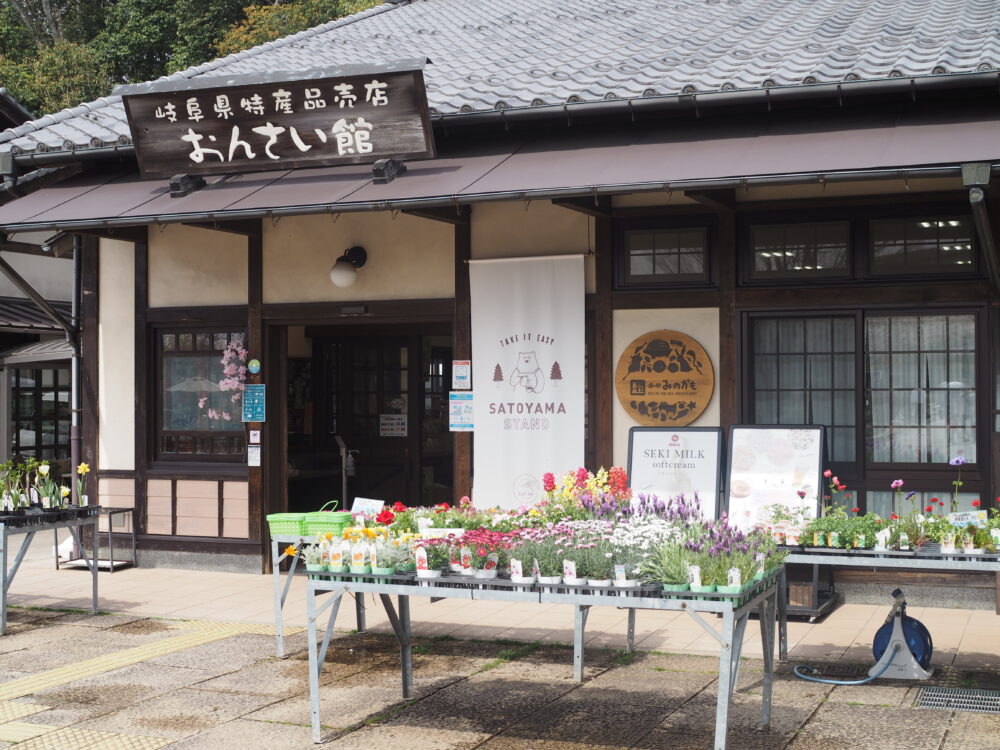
(841, 670)
(959, 699)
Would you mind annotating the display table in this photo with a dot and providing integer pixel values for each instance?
(735, 609)
(28, 530)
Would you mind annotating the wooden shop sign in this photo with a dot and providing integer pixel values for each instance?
(265, 122)
(664, 378)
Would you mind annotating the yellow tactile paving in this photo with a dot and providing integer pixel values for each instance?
(90, 739)
(236, 627)
(10, 710)
(19, 731)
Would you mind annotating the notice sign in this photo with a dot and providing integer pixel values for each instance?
(350, 114)
(668, 462)
(773, 466)
(967, 518)
(392, 425)
(664, 379)
(460, 411)
(253, 455)
(253, 402)
(461, 375)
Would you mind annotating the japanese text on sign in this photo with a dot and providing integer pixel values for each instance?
(253, 127)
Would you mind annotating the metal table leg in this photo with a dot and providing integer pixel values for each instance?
(782, 613)
(767, 614)
(131, 523)
(93, 567)
(317, 656)
(280, 594)
(111, 544)
(579, 626)
(401, 627)
(359, 611)
(726, 681)
(55, 543)
(630, 635)
(3, 576)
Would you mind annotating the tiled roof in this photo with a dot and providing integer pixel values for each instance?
(11, 111)
(522, 53)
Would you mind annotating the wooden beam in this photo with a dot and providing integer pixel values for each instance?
(459, 215)
(245, 227)
(462, 349)
(717, 200)
(599, 206)
(727, 377)
(125, 234)
(603, 353)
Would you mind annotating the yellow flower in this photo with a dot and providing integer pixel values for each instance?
(370, 533)
(83, 468)
(329, 536)
(290, 550)
(64, 491)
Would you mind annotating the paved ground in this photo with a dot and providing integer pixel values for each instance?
(74, 682)
(188, 662)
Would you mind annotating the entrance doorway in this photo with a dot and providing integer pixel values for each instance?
(383, 396)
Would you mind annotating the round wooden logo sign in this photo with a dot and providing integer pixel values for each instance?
(664, 379)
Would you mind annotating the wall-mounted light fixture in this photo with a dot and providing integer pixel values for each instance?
(345, 270)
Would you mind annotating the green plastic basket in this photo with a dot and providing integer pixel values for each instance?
(282, 524)
(325, 521)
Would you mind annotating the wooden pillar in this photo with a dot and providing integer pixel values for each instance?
(462, 346)
(142, 379)
(89, 418)
(255, 348)
(603, 354)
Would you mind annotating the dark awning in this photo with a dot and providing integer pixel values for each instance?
(38, 352)
(17, 314)
(750, 151)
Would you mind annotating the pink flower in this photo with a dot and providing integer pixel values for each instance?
(548, 482)
(835, 480)
(227, 416)
(801, 494)
(582, 475)
(896, 484)
(827, 473)
(213, 414)
(202, 401)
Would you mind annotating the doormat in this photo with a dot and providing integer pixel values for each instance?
(959, 699)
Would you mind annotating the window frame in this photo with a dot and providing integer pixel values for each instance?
(807, 276)
(861, 475)
(38, 393)
(156, 457)
(859, 218)
(622, 226)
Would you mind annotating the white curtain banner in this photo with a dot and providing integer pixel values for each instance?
(528, 375)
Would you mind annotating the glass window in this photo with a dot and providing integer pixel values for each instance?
(666, 255)
(200, 395)
(907, 246)
(799, 250)
(40, 413)
(920, 382)
(803, 373)
(885, 502)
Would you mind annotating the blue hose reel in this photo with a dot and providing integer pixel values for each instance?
(902, 650)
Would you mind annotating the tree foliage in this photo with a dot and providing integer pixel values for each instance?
(58, 53)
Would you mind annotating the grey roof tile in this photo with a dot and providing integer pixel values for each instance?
(522, 53)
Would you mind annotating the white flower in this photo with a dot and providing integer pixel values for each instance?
(43, 470)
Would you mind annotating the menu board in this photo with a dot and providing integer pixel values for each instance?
(773, 465)
(672, 461)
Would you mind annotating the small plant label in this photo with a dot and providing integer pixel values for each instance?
(620, 573)
(492, 560)
(859, 541)
(358, 554)
(536, 569)
(516, 570)
(904, 541)
(569, 569)
(465, 556)
(833, 539)
(792, 537)
(735, 579)
(694, 575)
(421, 555)
(336, 556)
(995, 533)
(374, 555)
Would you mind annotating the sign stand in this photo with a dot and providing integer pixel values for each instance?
(672, 461)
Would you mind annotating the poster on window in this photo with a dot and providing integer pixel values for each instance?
(669, 462)
(772, 465)
(528, 350)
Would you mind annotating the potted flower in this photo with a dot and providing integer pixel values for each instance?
(382, 559)
(313, 556)
(431, 556)
(670, 566)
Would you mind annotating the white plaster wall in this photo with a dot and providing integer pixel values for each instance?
(51, 276)
(190, 266)
(116, 356)
(408, 258)
(701, 323)
(512, 230)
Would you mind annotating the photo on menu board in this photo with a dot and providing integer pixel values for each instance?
(668, 462)
(771, 465)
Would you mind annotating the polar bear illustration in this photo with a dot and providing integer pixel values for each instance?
(528, 373)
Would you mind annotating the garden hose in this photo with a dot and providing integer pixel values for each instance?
(895, 650)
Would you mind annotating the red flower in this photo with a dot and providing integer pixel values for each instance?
(929, 508)
(385, 517)
(827, 473)
(934, 500)
(976, 503)
(847, 496)
(855, 510)
(481, 552)
(442, 508)
(582, 475)
(399, 507)
(548, 481)
(893, 517)
(465, 502)
(801, 494)
(841, 487)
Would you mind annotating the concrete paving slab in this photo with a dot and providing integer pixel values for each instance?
(248, 735)
(841, 725)
(394, 737)
(969, 730)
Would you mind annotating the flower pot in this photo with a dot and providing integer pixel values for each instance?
(526, 580)
(456, 567)
(550, 580)
(429, 573)
(380, 571)
(486, 574)
(599, 582)
(759, 576)
(703, 589)
(628, 583)
(315, 568)
(571, 581)
(729, 589)
(675, 588)
(360, 570)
